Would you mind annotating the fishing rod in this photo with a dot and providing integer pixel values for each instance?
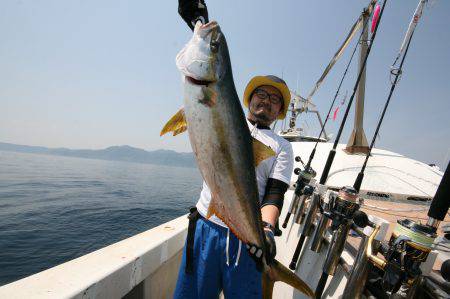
(346, 203)
(411, 242)
(398, 247)
(332, 152)
(396, 72)
(305, 176)
(316, 200)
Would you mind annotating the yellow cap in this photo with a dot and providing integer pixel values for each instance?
(270, 80)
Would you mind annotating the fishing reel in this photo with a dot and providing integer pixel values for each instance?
(342, 206)
(338, 209)
(342, 210)
(408, 247)
(304, 178)
(299, 216)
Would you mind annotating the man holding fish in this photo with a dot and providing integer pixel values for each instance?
(246, 169)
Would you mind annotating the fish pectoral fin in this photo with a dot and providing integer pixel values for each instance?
(261, 151)
(212, 209)
(215, 209)
(176, 124)
(277, 272)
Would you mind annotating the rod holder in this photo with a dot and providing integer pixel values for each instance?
(336, 247)
(306, 228)
(292, 209)
(304, 177)
(357, 280)
(300, 212)
(317, 241)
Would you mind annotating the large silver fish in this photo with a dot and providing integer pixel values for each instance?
(220, 138)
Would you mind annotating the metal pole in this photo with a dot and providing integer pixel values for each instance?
(358, 141)
(357, 280)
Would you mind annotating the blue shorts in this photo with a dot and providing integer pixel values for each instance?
(211, 275)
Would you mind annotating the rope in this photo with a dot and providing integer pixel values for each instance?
(227, 248)
(239, 253)
(311, 156)
(396, 210)
(409, 216)
(441, 245)
(390, 174)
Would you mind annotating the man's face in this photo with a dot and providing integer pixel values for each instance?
(265, 104)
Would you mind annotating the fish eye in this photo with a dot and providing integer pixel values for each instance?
(215, 41)
(214, 46)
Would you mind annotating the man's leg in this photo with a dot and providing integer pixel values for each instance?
(241, 279)
(205, 279)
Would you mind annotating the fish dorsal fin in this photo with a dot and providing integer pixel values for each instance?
(261, 152)
(176, 124)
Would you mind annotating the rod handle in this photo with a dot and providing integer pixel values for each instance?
(286, 220)
(327, 167)
(298, 249)
(441, 201)
(321, 285)
(358, 181)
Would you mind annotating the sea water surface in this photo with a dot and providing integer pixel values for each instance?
(54, 209)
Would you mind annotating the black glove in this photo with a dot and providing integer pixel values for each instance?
(192, 11)
(256, 252)
(270, 245)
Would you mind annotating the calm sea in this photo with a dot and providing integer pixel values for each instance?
(54, 209)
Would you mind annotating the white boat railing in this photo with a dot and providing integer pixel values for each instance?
(142, 266)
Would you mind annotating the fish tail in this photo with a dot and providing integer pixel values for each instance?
(278, 272)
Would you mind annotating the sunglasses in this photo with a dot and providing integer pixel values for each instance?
(273, 98)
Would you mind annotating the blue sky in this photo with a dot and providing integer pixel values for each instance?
(91, 74)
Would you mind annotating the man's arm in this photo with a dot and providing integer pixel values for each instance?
(192, 11)
(270, 211)
(272, 202)
(270, 214)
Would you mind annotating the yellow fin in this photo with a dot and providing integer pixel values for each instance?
(261, 151)
(177, 124)
(212, 209)
(216, 208)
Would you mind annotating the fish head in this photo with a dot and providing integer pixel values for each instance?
(202, 59)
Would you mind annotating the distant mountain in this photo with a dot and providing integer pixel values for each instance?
(115, 153)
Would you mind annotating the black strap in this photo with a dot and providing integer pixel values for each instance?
(193, 217)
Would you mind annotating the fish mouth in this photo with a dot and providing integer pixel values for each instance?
(199, 82)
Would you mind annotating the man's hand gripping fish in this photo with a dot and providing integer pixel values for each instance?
(225, 151)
